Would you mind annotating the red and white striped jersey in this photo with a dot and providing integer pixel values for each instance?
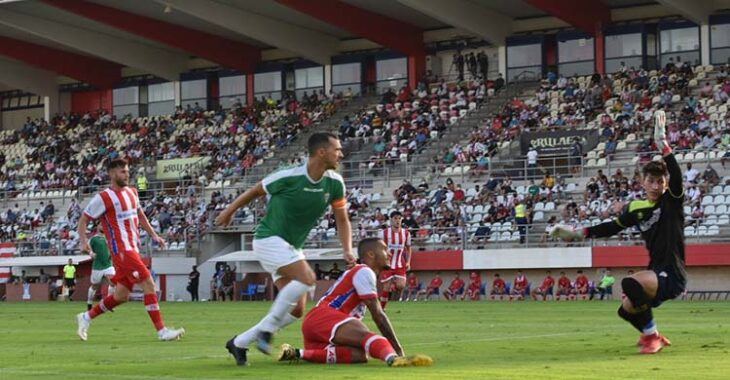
(397, 241)
(118, 211)
(346, 295)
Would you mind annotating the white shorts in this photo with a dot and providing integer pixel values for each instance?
(274, 252)
(98, 275)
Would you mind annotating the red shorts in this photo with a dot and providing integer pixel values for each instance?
(130, 269)
(473, 289)
(388, 275)
(320, 325)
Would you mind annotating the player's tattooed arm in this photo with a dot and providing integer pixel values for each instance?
(381, 320)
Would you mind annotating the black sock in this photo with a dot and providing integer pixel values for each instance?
(639, 320)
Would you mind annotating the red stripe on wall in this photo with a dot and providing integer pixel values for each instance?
(91, 101)
(437, 260)
(637, 256)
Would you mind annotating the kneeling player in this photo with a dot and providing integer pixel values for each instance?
(333, 330)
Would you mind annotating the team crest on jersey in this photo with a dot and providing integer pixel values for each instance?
(326, 197)
(647, 224)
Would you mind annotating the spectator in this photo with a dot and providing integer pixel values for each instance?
(455, 288)
(691, 174)
(335, 272)
(519, 287)
(193, 283)
(545, 289)
(412, 287)
(605, 286)
(565, 288)
(319, 272)
(531, 161)
(520, 213)
(475, 287)
(227, 283)
(433, 288)
(499, 288)
(582, 286)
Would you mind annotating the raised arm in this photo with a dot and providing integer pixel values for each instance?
(676, 189)
(226, 216)
(381, 320)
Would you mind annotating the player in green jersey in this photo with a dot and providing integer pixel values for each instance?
(297, 199)
(102, 266)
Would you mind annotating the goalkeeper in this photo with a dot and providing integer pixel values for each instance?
(660, 219)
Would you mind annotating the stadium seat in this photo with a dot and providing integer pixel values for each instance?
(702, 231)
(689, 231)
(713, 230)
(723, 220)
(718, 200)
(709, 210)
(717, 189)
(721, 210)
(539, 216)
(706, 201)
(601, 162)
(550, 206)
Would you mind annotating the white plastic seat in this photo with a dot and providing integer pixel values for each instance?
(539, 216)
(689, 231)
(707, 200)
(713, 230)
(718, 200)
(721, 210)
(550, 206)
(709, 210)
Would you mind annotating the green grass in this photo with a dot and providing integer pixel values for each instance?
(575, 340)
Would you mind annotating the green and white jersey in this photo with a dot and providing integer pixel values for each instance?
(296, 203)
(102, 259)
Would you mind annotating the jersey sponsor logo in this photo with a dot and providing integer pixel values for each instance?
(647, 224)
(326, 197)
(310, 190)
(124, 215)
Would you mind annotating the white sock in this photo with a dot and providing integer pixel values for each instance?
(90, 295)
(247, 337)
(110, 290)
(283, 305)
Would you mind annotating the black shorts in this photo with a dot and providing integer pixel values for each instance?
(70, 282)
(669, 286)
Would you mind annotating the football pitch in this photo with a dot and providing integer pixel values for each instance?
(495, 340)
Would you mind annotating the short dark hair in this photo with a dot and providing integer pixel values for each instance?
(366, 244)
(319, 140)
(117, 163)
(395, 213)
(655, 168)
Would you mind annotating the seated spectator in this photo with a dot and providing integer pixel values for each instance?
(582, 286)
(433, 288)
(545, 289)
(455, 288)
(411, 289)
(335, 272)
(482, 233)
(475, 287)
(565, 288)
(227, 282)
(318, 272)
(499, 288)
(605, 286)
(519, 287)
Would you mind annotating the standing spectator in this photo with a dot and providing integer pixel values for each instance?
(142, 185)
(519, 287)
(456, 287)
(483, 65)
(227, 282)
(520, 211)
(499, 82)
(565, 288)
(472, 65)
(193, 282)
(458, 61)
(433, 288)
(531, 161)
(606, 283)
(545, 289)
(576, 154)
(475, 287)
(499, 287)
(69, 277)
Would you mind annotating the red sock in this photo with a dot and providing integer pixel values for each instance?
(377, 347)
(384, 297)
(153, 309)
(329, 355)
(107, 304)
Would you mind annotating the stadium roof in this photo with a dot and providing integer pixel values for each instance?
(42, 261)
(167, 37)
